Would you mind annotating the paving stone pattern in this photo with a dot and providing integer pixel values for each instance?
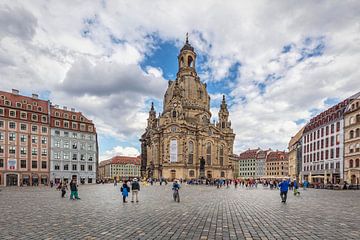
(203, 213)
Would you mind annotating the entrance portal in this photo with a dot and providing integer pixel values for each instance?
(11, 180)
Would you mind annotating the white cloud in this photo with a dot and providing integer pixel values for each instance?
(120, 151)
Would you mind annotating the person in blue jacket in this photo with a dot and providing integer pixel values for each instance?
(284, 187)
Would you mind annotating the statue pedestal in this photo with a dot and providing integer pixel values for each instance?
(202, 174)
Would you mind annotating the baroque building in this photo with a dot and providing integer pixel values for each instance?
(182, 142)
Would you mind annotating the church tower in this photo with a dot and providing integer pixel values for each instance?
(223, 115)
(187, 59)
(152, 117)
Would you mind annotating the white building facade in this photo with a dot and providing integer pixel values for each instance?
(74, 150)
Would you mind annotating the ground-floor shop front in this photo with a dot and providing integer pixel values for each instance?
(23, 179)
(86, 177)
(321, 177)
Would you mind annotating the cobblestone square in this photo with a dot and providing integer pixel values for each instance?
(203, 213)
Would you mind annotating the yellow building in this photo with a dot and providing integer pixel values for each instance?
(277, 165)
(120, 167)
(295, 153)
(182, 142)
(352, 142)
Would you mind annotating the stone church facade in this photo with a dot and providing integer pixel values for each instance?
(182, 137)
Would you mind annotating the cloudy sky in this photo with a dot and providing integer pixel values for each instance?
(278, 62)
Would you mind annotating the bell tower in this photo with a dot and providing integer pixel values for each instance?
(224, 115)
(186, 59)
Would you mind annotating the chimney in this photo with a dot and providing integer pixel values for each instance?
(15, 91)
(35, 96)
(64, 107)
(73, 109)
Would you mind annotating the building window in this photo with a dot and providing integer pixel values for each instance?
(43, 140)
(33, 164)
(74, 157)
(1, 136)
(74, 125)
(66, 167)
(44, 129)
(351, 135)
(82, 146)
(23, 151)
(351, 163)
(74, 135)
(56, 155)
(74, 145)
(66, 124)
(357, 163)
(2, 112)
(44, 152)
(66, 144)
(22, 163)
(66, 155)
(34, 128)
(57, 143)
(57, 132)
(22, 138)
(222, 174)
(90, 147)
(90, 158)
(44, 119)
(57, 167)
(191, 152)
(1, 124)
(66, 134)
(12, 125)
(74, 167)
(34, 139)
(23, 127)
(12, 150)
(191, 173)
(82, 167)
(34, 117)
(34, 152)
(57, 123)
(12, 113)
(90, 168)
(221, 156)
(43, 165)
(208, 153)
(82, 157)
(12, 136)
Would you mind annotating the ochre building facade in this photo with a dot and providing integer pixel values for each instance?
(182, 142)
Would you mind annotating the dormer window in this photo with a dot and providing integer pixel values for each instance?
(57, 114)
(7, 102)
(18, 105)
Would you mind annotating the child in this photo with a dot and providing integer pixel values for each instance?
(125, 189)
(63, 188)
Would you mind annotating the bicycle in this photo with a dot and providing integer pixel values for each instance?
(176, 195)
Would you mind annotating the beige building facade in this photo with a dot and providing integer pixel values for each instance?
(352, 142)
(182, 142)
(277, 165)
(295, 154)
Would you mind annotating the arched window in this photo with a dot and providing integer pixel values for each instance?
(352, 120)
(351, 135)
(191, 173)
(357, 147)
(191, 152)
(208, 153)
(351, 163)
(357, 163)
(357, 132)
(190, 62)
(221, 156)
(174, 114)
(358, 118)
(222, 124)
(351, 149)
(222, 174)
(182, 62)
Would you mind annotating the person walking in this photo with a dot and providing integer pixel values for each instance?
(125, 191)
(135, 188)
(63, 188)
(115, 182)
(284, 187)
(74, 190)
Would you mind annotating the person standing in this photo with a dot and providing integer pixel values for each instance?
(115, 182)
(74, 190)
(284, 187)
(63, 188)
(125, 191)
(135, 188)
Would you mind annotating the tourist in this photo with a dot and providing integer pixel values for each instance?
(296, 187)
(175, 188)
(284, 187)
(115, 182)
(125, 191)
(135, 188)
(74, 190)
(63, 188)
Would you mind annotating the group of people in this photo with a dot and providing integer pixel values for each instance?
(74, 194)
(125, 189)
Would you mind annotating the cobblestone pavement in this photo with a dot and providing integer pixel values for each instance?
(203, 213)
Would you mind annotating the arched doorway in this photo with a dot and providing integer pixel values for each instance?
(209, 174)
(35, 180)
(353, 179)
(11, 180)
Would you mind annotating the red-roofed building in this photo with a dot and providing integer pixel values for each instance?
(277, 164)
(120, 167)
(247, 163)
